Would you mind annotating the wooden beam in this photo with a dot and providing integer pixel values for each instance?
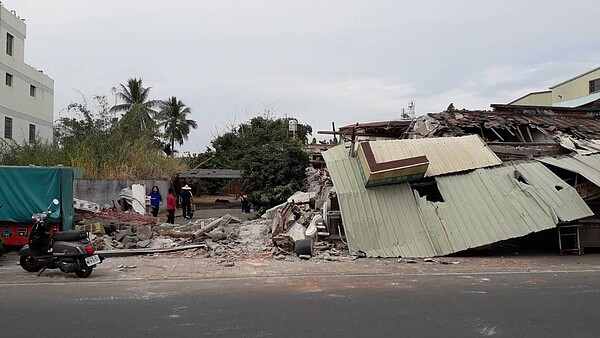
(495, 132)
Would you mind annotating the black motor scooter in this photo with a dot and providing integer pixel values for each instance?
(69, 251)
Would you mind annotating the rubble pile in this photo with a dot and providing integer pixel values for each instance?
(294, 228)
(125, 236)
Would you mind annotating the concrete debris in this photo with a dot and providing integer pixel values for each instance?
(273, 236)
(122, 267)
(224, 237)
(83, 205)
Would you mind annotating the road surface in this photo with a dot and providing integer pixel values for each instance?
(541, 304)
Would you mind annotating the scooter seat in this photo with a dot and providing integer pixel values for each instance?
(70, 236)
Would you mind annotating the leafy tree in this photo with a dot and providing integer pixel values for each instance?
(39, 152)
(234, 145)
(136, 105)
(98, 143)
(272, 172)
(173, 116)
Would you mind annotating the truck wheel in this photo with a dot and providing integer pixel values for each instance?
(85, 271)
(29, 264)
(304, 247)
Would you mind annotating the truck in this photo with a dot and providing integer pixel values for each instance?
(25, 191)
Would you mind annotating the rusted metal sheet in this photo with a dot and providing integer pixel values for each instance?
(582, 123)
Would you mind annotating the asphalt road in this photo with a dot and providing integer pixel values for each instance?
(469, 305)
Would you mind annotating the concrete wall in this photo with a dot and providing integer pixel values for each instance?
(535, 99)
(105, 191)
(16, 101)
(575, 88)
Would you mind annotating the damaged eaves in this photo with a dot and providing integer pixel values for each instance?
(517, 132)
(586, 166)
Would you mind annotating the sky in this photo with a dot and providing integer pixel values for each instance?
(342, 61)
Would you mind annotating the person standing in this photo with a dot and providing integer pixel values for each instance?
(171, 206)
(186, 201)
(155, 200)
(245, 203)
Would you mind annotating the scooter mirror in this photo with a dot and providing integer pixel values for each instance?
(55, 201)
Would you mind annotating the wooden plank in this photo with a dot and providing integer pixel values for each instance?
(520, 134)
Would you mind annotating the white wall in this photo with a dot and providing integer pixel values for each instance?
(16, 101)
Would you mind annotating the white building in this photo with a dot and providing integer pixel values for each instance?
(26, 94)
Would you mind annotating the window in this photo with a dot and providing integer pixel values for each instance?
(32, 91)
(31, 133)
(594, 86)
(9, 44)
(8, 80)
(7, 128)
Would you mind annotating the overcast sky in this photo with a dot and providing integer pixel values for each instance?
(319, 61)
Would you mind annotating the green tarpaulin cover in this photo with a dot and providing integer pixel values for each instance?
(28, 190)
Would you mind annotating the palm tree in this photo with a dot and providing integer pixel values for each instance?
(135, 103)
(173, 117)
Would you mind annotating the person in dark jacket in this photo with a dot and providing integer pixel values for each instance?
(186, 201)
(245, 202)
(155, 200)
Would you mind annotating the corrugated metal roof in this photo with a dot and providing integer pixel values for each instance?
(445, 154)
(480, 207)
(580, 101)
(588, 166)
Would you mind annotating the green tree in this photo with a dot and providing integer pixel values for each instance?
(272, 172)
(173, 116)
(272, 161)
(35, 153)
(103, 146)
(135, 103)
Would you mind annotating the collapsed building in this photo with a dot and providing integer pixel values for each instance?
(456, 180)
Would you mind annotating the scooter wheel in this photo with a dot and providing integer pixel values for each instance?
(84, 272)
(28, 263)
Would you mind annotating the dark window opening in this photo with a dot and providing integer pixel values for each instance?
(429, 189)
(594, 86)
(9, 44)
(558, 188)
(8, 80)
(32, 91)
(31, 133)
(8, 128)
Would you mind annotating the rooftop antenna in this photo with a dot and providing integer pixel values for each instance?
(411, 109)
